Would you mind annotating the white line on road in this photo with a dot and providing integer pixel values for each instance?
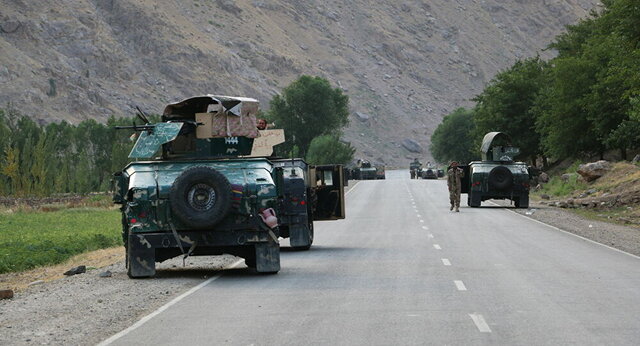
(163, 308)
(421, 220)
(446, 262)
(425, 228)
(460, 285)
(483, 327)
(569, 233)
(437, 247)
(419, 215)
(430, 236)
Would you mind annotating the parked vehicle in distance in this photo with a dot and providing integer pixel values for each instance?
(364, 170)
(415, 169)
(381, 172)
(429, 172)
(497, 176)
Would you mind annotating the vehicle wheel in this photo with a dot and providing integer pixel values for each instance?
(200, 197)
(522, 201)
(307, 247)
(500, 178)
(474, 200)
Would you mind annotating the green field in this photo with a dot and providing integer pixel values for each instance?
(32, 239)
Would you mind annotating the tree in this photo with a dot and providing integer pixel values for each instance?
(506, 105)
(453, 140)
(306, 109)
(328, 149)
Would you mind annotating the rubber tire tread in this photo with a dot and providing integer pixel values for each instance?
(191, 217)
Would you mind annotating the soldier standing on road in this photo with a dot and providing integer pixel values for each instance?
(454, 175)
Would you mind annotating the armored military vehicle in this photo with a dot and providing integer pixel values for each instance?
(381, 172)
(198, 191)
(415, 169)
(497, 176)
(429, 172)
(364, 171)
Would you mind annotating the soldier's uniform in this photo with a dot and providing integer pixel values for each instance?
(454, 176)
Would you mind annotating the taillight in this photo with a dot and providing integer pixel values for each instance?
(134, 220)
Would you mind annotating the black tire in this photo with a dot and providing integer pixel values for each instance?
(500, 178)
(307, 247)
(474, 200)
(522, 201)
(200, 197)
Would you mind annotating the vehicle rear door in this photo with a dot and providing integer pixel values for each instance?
(327, 183)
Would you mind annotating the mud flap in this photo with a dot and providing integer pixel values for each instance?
(299, 236)
(267, 257)
(141, 257)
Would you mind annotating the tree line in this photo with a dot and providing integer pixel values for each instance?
(43, 159)
(40, 160)
(583, 102)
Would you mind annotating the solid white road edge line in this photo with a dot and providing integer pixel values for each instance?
(483, 327)
(569, 233)
(446, 262)
(460, 285)
(164, 307)
(351, 189)
(437, 247)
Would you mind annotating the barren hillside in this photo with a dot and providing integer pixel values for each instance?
(404, 64)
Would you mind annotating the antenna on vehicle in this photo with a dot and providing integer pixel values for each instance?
(141, 115)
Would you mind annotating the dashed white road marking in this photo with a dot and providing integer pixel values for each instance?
(446, 262)
(425, 227)
(419, 215)
(482, 325)
(437, 247)
(430, 236)
(421, 220)
(460, 285)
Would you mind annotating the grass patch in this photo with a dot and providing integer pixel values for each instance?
(31, 239)
(559, 188)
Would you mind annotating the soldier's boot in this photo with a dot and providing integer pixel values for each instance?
(457, 208)
(451, 208)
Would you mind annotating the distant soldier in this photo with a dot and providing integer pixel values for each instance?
(262, 124)
(454, 175)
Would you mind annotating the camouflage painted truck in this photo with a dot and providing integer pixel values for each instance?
(198, 191)
(497, 176)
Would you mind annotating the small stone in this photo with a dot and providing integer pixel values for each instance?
(545, 196)
(76, 270)
(106, 274)
(6, 294)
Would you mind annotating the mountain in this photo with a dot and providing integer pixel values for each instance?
(404, 64)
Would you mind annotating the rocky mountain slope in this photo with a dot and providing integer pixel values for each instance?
(404, 64)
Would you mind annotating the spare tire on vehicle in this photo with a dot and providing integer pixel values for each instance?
(501, 178)
(200, 197)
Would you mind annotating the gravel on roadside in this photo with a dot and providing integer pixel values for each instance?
(85, 309)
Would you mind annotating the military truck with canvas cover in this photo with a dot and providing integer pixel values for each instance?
(497, 176)
(194, 193)
(309, 193)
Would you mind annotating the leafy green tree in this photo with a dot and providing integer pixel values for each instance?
(328, 149)
(453, 138)
(506, 105)
(307, 108)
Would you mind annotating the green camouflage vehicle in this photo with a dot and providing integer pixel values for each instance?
(198, 191)
(364, 171)
(497, 176)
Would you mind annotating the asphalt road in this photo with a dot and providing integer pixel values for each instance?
(404, 270)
